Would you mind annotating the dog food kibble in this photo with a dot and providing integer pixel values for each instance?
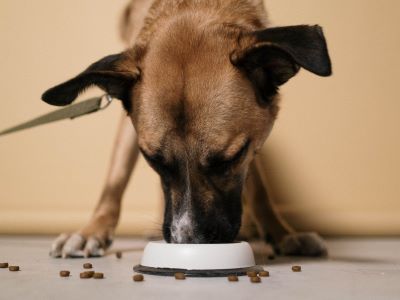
(91, 273)
(180, 276)
(87, 266)
(255, 279)
(13, 268)
(98, 275)
(85, 275)
(3, 265)
(296, 269)
(118, 254)
(264, 274)
(64, 273)
(252, 274)
(138, 277)
(233, 278)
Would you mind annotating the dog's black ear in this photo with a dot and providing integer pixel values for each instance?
(272, 56)
(115, 74)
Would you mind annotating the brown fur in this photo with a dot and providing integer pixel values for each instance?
(192, 36)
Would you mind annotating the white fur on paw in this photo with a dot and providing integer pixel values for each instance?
(76, 245)
(93, 248)
(58, 244)
(304, 244)
(73, 246)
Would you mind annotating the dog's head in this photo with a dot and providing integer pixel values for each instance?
(202, 103)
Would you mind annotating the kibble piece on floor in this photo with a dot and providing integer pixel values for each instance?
(87, 266)
(98, 275)
(296, 269)
(264, 274)
(3, 265)
(233, 278)
(252, 274)
(64, 273)
(138, 277)
(118, 254)
(85, 275)
(91, 273)
(13, 268)
(255, 279)
(180, 276)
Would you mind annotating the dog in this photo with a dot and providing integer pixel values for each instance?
(199, 82)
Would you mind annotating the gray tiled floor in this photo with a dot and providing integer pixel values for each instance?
(357, 269)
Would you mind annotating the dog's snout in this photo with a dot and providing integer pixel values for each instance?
(182, 230)
(188, 230)
(199, 212)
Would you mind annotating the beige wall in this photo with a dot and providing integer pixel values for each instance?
(333, 156)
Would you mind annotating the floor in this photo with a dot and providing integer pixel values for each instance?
(357, 269)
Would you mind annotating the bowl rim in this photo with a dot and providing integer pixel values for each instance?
(159, 254)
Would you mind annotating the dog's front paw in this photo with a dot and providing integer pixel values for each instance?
(304, 244)
(79, 245)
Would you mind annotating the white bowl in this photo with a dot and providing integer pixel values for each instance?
(160, 254)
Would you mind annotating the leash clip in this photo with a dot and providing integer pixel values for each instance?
(108, 100)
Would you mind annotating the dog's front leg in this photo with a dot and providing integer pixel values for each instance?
(271, 225)
(96, 236)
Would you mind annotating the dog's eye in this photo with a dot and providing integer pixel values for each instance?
(219, 164)
(157, 162)
(155, 159)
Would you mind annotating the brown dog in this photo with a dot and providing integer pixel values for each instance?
(200, 85)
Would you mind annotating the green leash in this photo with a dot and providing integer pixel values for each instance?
(70, 112)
